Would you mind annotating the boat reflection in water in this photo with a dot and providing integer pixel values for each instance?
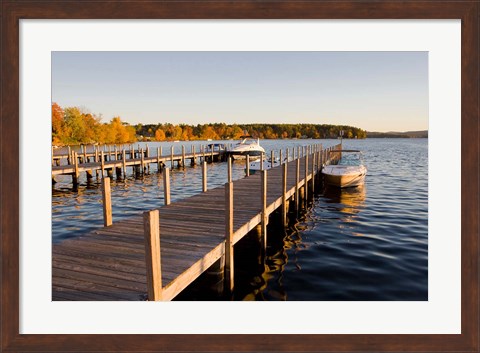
(348, 201)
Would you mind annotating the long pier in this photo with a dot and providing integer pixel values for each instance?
(118, 159)
(155, 256)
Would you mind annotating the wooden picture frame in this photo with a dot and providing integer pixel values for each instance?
(13, 11)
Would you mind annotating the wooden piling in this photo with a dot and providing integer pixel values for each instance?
(84, 154)
(204, 176)
(229, 168)
(75, 164)
(107, 202)
(166, 186)
(264, 209)
(183, 156)
(116, 153)
(171, 158)
(102, 161)
(147, 152)
(211, 154)
(272, 158)
(142, 161)
(229, 276)
(261, 161)
(158, 158)
(69, 158)
(247, 165)
(305, 185)
(280, 156)
(124, 162)
(194, 160)
(284, 194)
(297, 181)
(314, 155)
(151, 227)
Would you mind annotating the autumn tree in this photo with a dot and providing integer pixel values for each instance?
(160, 135)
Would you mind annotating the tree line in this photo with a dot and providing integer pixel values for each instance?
(72, 125)
(222, 131)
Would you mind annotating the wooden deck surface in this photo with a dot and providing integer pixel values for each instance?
(109, 263)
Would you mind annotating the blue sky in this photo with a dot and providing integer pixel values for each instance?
(376, 91)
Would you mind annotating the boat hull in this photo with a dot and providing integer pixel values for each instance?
(344, 181)
(344, 176)
(243, 154)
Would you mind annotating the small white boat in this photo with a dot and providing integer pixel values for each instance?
(248, 146)
(349, 171)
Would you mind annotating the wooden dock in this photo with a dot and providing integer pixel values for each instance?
(119, 159)
(158, 254)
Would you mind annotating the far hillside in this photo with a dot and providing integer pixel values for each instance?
(392, 134)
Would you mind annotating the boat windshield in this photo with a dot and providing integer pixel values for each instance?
(248, 141)
(353, 159)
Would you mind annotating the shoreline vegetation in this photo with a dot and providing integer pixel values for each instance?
(73, 126)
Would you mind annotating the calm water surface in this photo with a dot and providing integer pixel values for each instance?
(367, 243)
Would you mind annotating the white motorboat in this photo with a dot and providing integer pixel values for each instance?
(248, 146)
(349, 171)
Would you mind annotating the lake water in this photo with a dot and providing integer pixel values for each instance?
(367, 243)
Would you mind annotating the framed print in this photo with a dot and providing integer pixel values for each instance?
(429, 45)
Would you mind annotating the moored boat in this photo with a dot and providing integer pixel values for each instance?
(247, 146)
(349, 172)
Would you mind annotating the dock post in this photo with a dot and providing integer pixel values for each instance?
(147, 152)
(166, 186)
(171, 158)
(183, 156)
(286, 155)
(151, 231)
(102, 162)
(284, 194)
(212, 154)
(75, 163)
(142, 161)
(314, 158)
(305, 185)
(297, 181)
(116, 153)
(229, 167)
(124, 162)
(247, 165)
(229, 235)
(107, 202)
(84, 154)
(203, 152)
(69, 157)
(204, 176)
(272, 158)
(261, 161)
(264, 210)
(89, 175)
(158, 159)
(280, 156)
(194, 160)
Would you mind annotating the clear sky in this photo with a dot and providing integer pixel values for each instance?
(375, 91)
